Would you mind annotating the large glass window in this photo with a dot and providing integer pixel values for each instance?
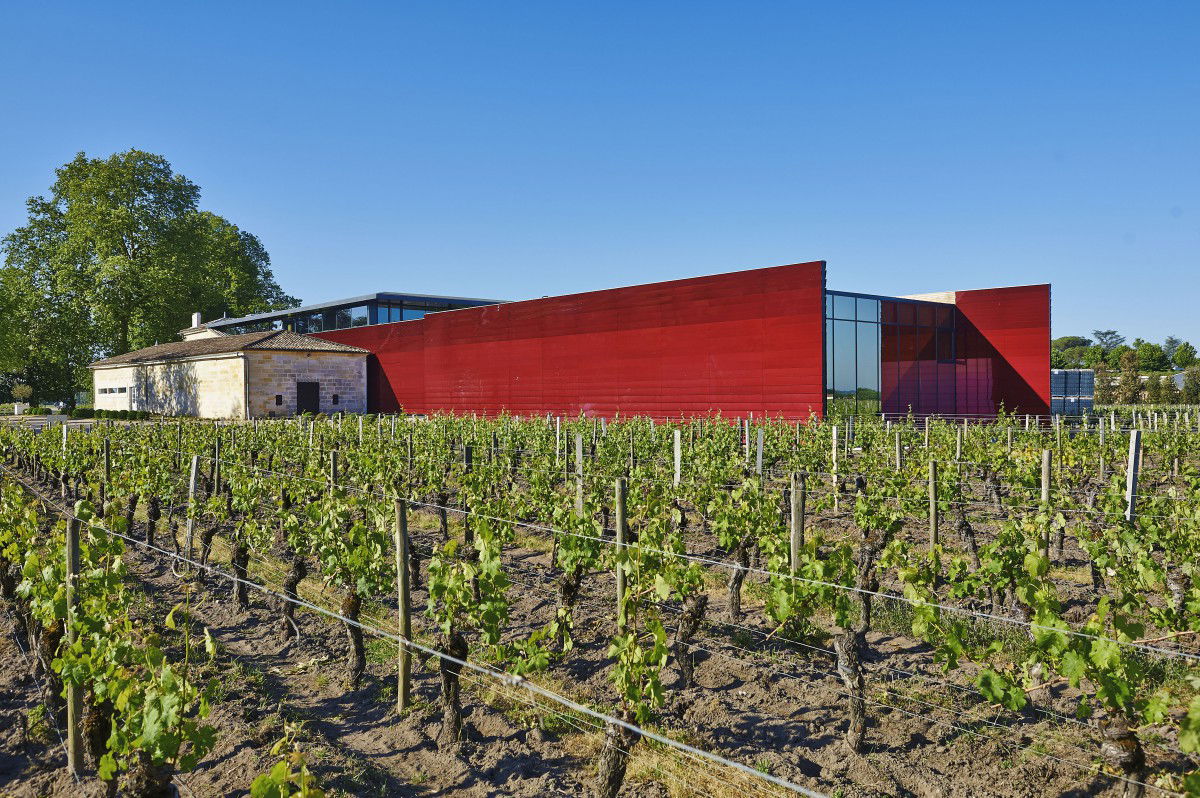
(358, 316)
(896, 356)
(868, 309)
(413, 313)
(844, 307)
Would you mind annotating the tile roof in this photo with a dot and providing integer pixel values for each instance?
(278, 340)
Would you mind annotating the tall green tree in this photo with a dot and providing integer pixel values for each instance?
(1070, 342)
(1191, 385)
(1170, 344)
(1151, 357)
(116, 257)
(1184, 355)
(1108, 339)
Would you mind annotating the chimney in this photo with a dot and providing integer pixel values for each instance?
(198, 330)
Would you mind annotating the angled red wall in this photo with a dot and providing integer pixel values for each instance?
(738, 343)
(1008, 330)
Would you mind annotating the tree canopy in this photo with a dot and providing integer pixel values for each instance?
(118, 256)
(1108, 339)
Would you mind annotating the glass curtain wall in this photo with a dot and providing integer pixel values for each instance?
(889, 355)
(852, 341)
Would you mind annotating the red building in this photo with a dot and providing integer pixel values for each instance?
(772, 342)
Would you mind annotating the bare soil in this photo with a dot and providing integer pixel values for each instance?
(774, 704)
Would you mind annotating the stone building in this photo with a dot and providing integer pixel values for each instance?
(255, 375)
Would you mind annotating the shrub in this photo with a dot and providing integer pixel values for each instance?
(22, 392)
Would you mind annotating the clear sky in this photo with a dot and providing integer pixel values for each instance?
(518, 149)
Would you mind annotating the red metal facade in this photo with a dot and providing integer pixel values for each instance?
(739, 343)
(1007, 349)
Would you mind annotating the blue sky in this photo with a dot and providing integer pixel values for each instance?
(516, 150)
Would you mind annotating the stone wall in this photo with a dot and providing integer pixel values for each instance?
(204, 387)
(275, 374)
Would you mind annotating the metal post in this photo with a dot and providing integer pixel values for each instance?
(619, 512)
(191, 521)
(74, 689)
(678, 458)
(933, 504)
(579, 474)
(404, 666)
(899, 452)
(759, 458)
(1131, 474)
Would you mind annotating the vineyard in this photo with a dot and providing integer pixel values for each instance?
(383, 605)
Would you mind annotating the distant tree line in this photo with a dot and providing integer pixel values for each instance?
(1128, 386)
(1107, 349)
(117, 257)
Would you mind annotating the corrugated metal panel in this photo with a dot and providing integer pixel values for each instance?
(740, 343)
(1014, 324)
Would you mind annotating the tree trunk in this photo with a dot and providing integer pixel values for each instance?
(614, 757)
(450, 736)
(47, 649)
(206, 538)
(848, 646)
(356, 660)
(693, 613)
(287, 608)
(239, 559)
(568, 590)
(153, 513)
(144, 779)
(130, 510)
(741, 556)
(97, 726)
(1122, 749)
(967, 533)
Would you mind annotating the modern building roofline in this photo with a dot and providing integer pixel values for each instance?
(381, 296)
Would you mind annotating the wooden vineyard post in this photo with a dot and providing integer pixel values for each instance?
(179, 445)
(799, 496)
(1101, 475)
(833, 471)
(619, 512)
(1009, 446)
(107, 474)
(958, 444)
(579, 474)
(1046, 498)
(403, 609)
(1046, 476)
(62, 482)
(1131, 474)
(899, 452)
(678, 458)
(216, 466)
(74, 690)
(933, 505)
(333, 470)
(191, 521)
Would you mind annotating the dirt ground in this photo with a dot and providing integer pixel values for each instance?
(775, 705)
